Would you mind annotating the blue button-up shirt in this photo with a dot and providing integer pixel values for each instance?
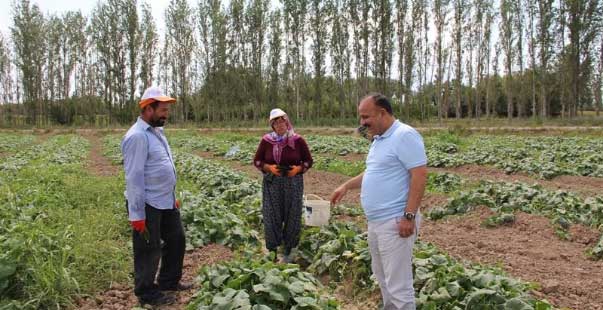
(386, 180)
(150, 171)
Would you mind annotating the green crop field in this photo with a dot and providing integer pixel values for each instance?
(65, 237)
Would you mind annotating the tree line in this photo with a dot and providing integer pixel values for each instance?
(235, 60)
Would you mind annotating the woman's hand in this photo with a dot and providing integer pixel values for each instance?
(272, 169)
(295, 170)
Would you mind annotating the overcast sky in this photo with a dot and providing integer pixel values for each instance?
(85, 6)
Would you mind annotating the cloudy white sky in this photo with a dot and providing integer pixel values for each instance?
(59, 6)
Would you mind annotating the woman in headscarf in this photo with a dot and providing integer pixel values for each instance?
(282, 156)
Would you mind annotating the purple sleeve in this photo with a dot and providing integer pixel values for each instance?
(306, 156)
(258, 159)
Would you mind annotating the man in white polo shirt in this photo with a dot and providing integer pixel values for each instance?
(392, 187)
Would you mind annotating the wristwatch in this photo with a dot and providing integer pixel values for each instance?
(409, 216)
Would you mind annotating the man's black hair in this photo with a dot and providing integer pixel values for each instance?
(153, 106)
(381, 101)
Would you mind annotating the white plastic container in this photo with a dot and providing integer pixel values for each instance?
(317, 211)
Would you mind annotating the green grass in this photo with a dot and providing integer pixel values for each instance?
(63, 231)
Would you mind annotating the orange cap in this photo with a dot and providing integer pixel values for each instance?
(153, 94)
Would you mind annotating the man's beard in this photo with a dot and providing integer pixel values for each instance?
(158, 122)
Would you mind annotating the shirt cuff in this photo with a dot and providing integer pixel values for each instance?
(136, 210)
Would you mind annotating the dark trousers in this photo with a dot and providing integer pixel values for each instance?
(166, 226)
(282, 201)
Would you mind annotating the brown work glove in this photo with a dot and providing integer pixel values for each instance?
(295, 170)
(273, 169)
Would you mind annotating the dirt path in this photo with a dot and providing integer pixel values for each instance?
(431, 200)
(98, 164)
(584, 186)
(323, 183)
(121, 296)
(527, 250)
(362, 301)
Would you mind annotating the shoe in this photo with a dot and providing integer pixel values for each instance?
(288, 257)
(157, 301)
(178, 287)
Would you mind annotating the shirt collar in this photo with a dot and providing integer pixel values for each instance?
(145, 126)
(389, 131)
(142, 124)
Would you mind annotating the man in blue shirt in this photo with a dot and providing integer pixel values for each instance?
(153, 210)
(391, 187)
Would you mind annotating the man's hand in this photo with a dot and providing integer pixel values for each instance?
(352, 183)
(177, 204)
(139, 226)
(338, 194)
(295, 170)
(406, 228)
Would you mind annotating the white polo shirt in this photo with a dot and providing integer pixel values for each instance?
(386, 180)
